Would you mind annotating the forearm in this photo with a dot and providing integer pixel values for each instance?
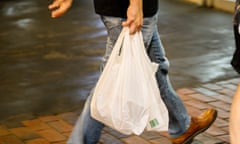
(135, 8)
(134, 16)
(235, 118)
(137, 3)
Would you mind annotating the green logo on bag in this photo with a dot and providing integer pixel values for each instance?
(154, 123)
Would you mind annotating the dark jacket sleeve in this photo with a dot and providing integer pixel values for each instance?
(235, 62)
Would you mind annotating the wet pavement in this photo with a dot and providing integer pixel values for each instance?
(55, 129)
(48, 66)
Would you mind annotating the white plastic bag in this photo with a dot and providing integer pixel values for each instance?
(126, 96)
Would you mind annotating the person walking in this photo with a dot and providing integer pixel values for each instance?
(138, 15)
(234, 126)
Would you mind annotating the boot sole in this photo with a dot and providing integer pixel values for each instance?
(190, 139)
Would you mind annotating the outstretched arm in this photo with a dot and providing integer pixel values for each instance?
(235, 118)
(59, 7)
(134, 16)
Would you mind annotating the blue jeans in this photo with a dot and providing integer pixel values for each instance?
(87, 130)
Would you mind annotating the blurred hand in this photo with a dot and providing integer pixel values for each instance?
(234, 127)
(59, 7)
(134, 16)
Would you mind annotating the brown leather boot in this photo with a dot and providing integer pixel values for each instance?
(198, 125)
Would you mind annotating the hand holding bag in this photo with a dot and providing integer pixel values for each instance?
(126, 97)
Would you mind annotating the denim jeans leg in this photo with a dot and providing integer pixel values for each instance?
(178, 117)
(86, 130)
(114, 27)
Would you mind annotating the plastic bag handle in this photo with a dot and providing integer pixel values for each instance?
(119, 42)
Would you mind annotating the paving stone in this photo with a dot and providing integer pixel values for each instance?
(231, 87)
(15, 121)
(135, 140)
(165, 134)
(221, 105)
(206, 92)
(193, 111)
(114, 133)
(232, 80)
(223, 114)
(109, 139)
(10, 139)
(49, 118)
(63, 142)
(66, 134)
(224, 98)
(37, 141)
(222, 82)
(3, 130)
(24, 133)
(221, 123)
(235, 81)
(151, 135)
(161, 140)
(61, 126)
(185, 91)
(13, 124)
(202, 97)
(197, 142)
(210, 141)
(207, 139)
(69, 117)
(198, 104)
(226, 129)
(215, 131)
(35, 124)
(185, 97)
(227, 92)
(51, 135)
(212, 86)
(225, 138)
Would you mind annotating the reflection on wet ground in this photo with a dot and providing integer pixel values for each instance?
(48, 66)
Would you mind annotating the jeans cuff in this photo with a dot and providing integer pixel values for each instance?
(183, 130)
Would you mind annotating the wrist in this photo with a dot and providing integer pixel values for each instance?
(137, 3)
